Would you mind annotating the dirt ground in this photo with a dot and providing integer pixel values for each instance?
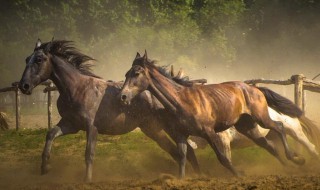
(267, 182)
(66, 177)
(67, 172)
(140, 168)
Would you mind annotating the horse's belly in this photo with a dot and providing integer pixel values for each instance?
(115, 125)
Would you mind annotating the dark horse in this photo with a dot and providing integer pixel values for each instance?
(89, 103)
(204, 110)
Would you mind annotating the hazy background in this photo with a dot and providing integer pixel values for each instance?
(214, 39)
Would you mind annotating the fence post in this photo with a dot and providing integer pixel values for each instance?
(18, 110)
(298, 90)
(50, 106)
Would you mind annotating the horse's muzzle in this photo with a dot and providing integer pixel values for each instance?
(25, 88)
(125, 98)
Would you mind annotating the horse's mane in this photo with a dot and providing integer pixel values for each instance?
(179, 79)
(66, 50)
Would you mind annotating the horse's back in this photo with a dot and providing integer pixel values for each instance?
(240, 97)
(222, 103)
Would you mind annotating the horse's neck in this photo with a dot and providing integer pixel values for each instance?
(165, 91)
(65, 77)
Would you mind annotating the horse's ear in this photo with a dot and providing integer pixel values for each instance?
(38, 44)
(172, 71)
(180, 74)
(138, 55)
(145, 56)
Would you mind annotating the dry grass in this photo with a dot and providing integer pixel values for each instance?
(4, 121)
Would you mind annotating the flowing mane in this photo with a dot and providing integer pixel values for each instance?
(66, 50)
(165, 71)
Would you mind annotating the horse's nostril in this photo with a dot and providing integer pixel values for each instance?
(26, 86)
(123, 97)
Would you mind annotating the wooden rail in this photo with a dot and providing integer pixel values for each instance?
(300, 82)
(14, 88)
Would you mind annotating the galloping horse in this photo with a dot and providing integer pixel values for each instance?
(89, 103)
(204, 110)
(294, 121)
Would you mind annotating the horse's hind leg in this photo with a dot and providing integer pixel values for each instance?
(298, 135)
(262, 117)
(273, 137)
(247, 127)
(62, 128)
(278, 127)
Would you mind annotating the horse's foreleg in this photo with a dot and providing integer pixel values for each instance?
(225, 147)
(161, 138)
(92, 134)
(182, 148)
(191, 157)
(216, 144)
(62, 128)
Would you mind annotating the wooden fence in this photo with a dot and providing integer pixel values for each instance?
(14, 88)
(299, 81)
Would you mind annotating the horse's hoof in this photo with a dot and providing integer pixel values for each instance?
(239, 174)
(298, 160)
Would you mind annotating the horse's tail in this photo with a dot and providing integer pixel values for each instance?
(287, 107)
(280, 103)
(311, 130)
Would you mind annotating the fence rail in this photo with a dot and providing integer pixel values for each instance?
(14, 88)
(300, 82)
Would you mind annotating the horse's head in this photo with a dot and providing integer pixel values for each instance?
(38, 68)
(137, 79)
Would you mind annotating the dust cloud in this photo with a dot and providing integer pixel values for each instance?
(275, 57)
(277, 51)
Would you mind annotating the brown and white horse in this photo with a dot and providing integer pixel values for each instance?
(204, 110)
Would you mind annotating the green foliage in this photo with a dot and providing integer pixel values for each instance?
(112, 31)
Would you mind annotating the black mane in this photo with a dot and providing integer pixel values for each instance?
(184, 81)
(66, 50)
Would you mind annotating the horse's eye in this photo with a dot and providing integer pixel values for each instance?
(136, 74)
(39, 59)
